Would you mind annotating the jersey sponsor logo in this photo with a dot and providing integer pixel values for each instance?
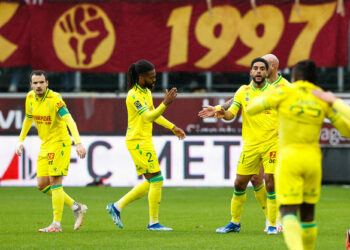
(50, 156)
(60, 105)
(45, 118)
(138, 105)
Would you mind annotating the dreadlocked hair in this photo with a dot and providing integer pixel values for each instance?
(136, 69)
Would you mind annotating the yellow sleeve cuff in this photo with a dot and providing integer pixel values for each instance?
(218, 107)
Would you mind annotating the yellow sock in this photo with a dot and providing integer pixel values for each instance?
(260, 195)
(57, 202)
(271, 208)
(67, 199)
(292, 232)
(136, 193)
(309, 234)
(237, 202)
(154, 197)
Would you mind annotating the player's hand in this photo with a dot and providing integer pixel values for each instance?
(219, 114)
(326, 96)
(81, 151)
(179, 133)
(170, 96)
(208, 111)
(19, 148)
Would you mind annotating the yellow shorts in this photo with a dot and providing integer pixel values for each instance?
(252, 157)
(145, 159)
(298, 175)
(54, 160)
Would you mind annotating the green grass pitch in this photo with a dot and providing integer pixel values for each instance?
(194, 213)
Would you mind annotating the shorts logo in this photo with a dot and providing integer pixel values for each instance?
(50, 156)
(273, 155)
(138, 105)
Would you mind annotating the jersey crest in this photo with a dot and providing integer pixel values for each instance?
(138, 105)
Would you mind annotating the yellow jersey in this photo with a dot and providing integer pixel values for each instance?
(280, 81)
(138, 101)
(46, 113)
(301, 113)
(256, 129)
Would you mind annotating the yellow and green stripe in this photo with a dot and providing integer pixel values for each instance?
(237, 104)
(258, 188)
(271, 196)
(143, 109)
(55, 187)
(141, 89)
(277, 81)
(46, 189)
(156, 178)
(238, 193)
(308, 224)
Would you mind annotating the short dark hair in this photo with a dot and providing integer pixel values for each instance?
(305, 70)
(259, 59)
(136, 69)
(37, 73)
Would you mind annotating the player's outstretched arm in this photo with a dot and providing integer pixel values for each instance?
(169, 97)
(338, 104)
(27, 124)
(209, 111)
(257, 105)
(179, 133)
(227, 104)
(326, 96)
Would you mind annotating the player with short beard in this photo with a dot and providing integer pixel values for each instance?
(259, 146)
(141, 115)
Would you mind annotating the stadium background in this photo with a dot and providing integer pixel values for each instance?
(87, 46)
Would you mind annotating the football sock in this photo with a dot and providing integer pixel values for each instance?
(260, 195)
(154, 197)
(309, 234)
(136, 193)
(57, 202)
(271, 208)
(67, 199)
(237, 202)
(292, 232)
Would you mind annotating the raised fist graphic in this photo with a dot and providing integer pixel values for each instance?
(87, 33)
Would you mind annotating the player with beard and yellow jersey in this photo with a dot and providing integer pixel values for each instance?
(260, 136)
(141, 115)
(51, 118)
(299, 171)
(272, 78)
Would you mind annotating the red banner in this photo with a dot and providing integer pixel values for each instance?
(175, 35)
(107, 116)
